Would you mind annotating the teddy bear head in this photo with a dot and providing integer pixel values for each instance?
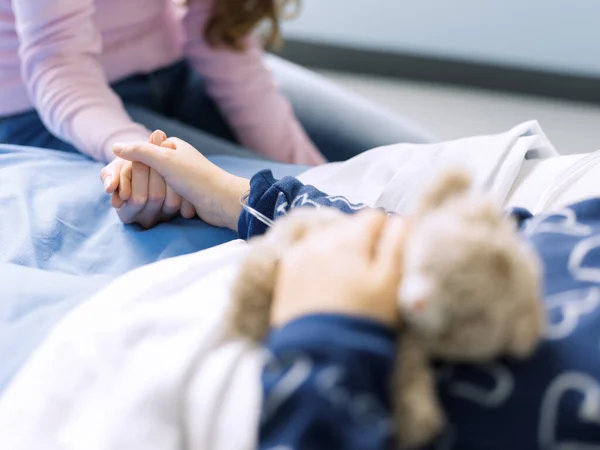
(471, 285)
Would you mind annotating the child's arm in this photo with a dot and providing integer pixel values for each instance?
(246, 93)
(216, 193)
(327, 385)
(274, 198)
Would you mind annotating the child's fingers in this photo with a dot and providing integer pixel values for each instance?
(125, 181)
(149, 154)
(169, 144)
(173, 201)
(365, 229)
(187, 210)
(390, 248)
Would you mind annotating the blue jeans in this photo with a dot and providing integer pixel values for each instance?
(174, 100)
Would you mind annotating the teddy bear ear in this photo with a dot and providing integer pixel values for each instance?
(449, 183)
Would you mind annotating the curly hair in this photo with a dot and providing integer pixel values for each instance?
(233, 20)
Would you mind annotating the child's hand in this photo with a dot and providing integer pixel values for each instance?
(213, 192)
(143, 196)
(353, 267)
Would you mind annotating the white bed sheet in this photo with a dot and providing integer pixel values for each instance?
(536, 175)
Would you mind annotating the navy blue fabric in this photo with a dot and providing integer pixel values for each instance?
(172, 99)
(274, 198)
(550, 401)
(341, 369)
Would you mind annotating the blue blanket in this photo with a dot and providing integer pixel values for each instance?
(60, 241)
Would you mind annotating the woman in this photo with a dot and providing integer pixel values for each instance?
(87, 74)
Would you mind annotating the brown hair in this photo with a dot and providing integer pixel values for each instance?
(232, 20)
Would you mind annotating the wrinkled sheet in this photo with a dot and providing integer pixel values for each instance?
(60, 241)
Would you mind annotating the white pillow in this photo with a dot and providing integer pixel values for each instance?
(538, 175)
(393, 177)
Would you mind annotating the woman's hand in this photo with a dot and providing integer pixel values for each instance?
(214, 193)
(352, 267)
(140, 194)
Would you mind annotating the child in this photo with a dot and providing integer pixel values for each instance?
(215, 193)
(326, 363)
(362, 314)
(328, 393)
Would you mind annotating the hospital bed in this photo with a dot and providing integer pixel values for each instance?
(60, 242)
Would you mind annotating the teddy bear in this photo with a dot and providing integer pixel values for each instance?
(470, 292)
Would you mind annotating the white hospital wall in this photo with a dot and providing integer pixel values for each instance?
(554, 35)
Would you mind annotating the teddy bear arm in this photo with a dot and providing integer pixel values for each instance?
(419, 415)
(252, 295)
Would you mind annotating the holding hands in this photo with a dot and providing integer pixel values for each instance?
(140, 193)
(152, 181)
(352, 269)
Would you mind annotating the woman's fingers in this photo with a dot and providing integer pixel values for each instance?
(172, 203)
(139, 184)
(187, 210)
(116, 201)
(110, 176)
(150, 215)
(126, 176)
(139, 193)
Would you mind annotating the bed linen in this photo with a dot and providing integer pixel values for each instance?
(143, 361)
(60, 241)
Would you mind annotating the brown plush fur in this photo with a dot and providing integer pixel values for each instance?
(470, 293)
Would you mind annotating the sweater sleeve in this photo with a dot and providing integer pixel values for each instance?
(245, 91)
(327, 385)
(275, 198)
(59, 48)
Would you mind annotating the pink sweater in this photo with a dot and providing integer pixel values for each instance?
(59, 56)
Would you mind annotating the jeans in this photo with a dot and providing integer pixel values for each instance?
(174, 100)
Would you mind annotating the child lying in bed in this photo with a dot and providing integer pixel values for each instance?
(550, 401)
